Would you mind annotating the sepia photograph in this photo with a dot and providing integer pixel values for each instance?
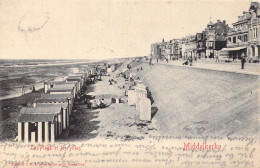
(110, 83)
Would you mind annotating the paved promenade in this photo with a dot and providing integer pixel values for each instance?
(250, 68)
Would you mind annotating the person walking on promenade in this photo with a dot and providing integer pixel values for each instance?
(190, 60)
(22, 89)
(243, 60)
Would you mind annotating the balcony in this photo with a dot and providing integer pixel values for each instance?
(240, 44)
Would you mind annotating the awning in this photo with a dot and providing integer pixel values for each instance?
(233, 49)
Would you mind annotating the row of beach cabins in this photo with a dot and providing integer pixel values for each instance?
(48, 117)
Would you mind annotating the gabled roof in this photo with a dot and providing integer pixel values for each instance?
(50, 105)
(60, 82)
(36, 118)
(55, 96)
(52, 100)
(74, 77)
(64, 86)
(60, 90)
(54, 82)
(41, 110)
(77, 75)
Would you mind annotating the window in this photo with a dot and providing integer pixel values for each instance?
(234, 40)
(245, 38)
(239, 38)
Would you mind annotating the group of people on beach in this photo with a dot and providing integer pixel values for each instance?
(96, 103)
(189, 60)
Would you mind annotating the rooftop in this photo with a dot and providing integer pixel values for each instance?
(74, 77)
(64, 86)
(51, 100)
(59, 90)
(41, 110)
(36, 118)
(55, 96)
(63, 105)
(55, 82)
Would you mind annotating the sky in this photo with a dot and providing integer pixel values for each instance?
(101, 29)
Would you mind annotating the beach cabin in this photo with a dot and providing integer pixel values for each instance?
(63, 118)
(68, 86)
(93, 71)
(56, 98)
(77, 79)
(60, 84)
(113, 68)
(109, 70)
(38, 124)
(85, 75)
(62, 91)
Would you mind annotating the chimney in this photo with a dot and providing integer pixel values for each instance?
(224, 22)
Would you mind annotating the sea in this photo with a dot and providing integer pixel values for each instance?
(18, 74)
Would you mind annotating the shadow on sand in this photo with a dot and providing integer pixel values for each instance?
(153, 111)
(149, 96)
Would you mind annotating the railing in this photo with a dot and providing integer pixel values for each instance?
(237, 44)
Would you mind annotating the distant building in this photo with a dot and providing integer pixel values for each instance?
(216, 35)
(176, 47)
(201, 44)
(162, 50)
(189, 47)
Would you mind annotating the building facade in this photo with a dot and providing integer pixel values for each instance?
(216, 35)
(244, 37)
(254, 30)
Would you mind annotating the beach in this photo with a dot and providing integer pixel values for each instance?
(185, 101)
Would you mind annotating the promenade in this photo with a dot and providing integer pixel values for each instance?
(250, 68)
(209, 96)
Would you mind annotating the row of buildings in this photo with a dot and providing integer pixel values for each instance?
(218, 40)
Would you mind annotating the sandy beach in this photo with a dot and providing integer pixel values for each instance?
(116, 121)
(177, 107)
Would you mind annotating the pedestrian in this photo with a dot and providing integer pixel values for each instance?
(190, 60)
(243, 60)
(23, 90)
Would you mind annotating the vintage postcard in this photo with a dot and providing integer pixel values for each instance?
(129, 83)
